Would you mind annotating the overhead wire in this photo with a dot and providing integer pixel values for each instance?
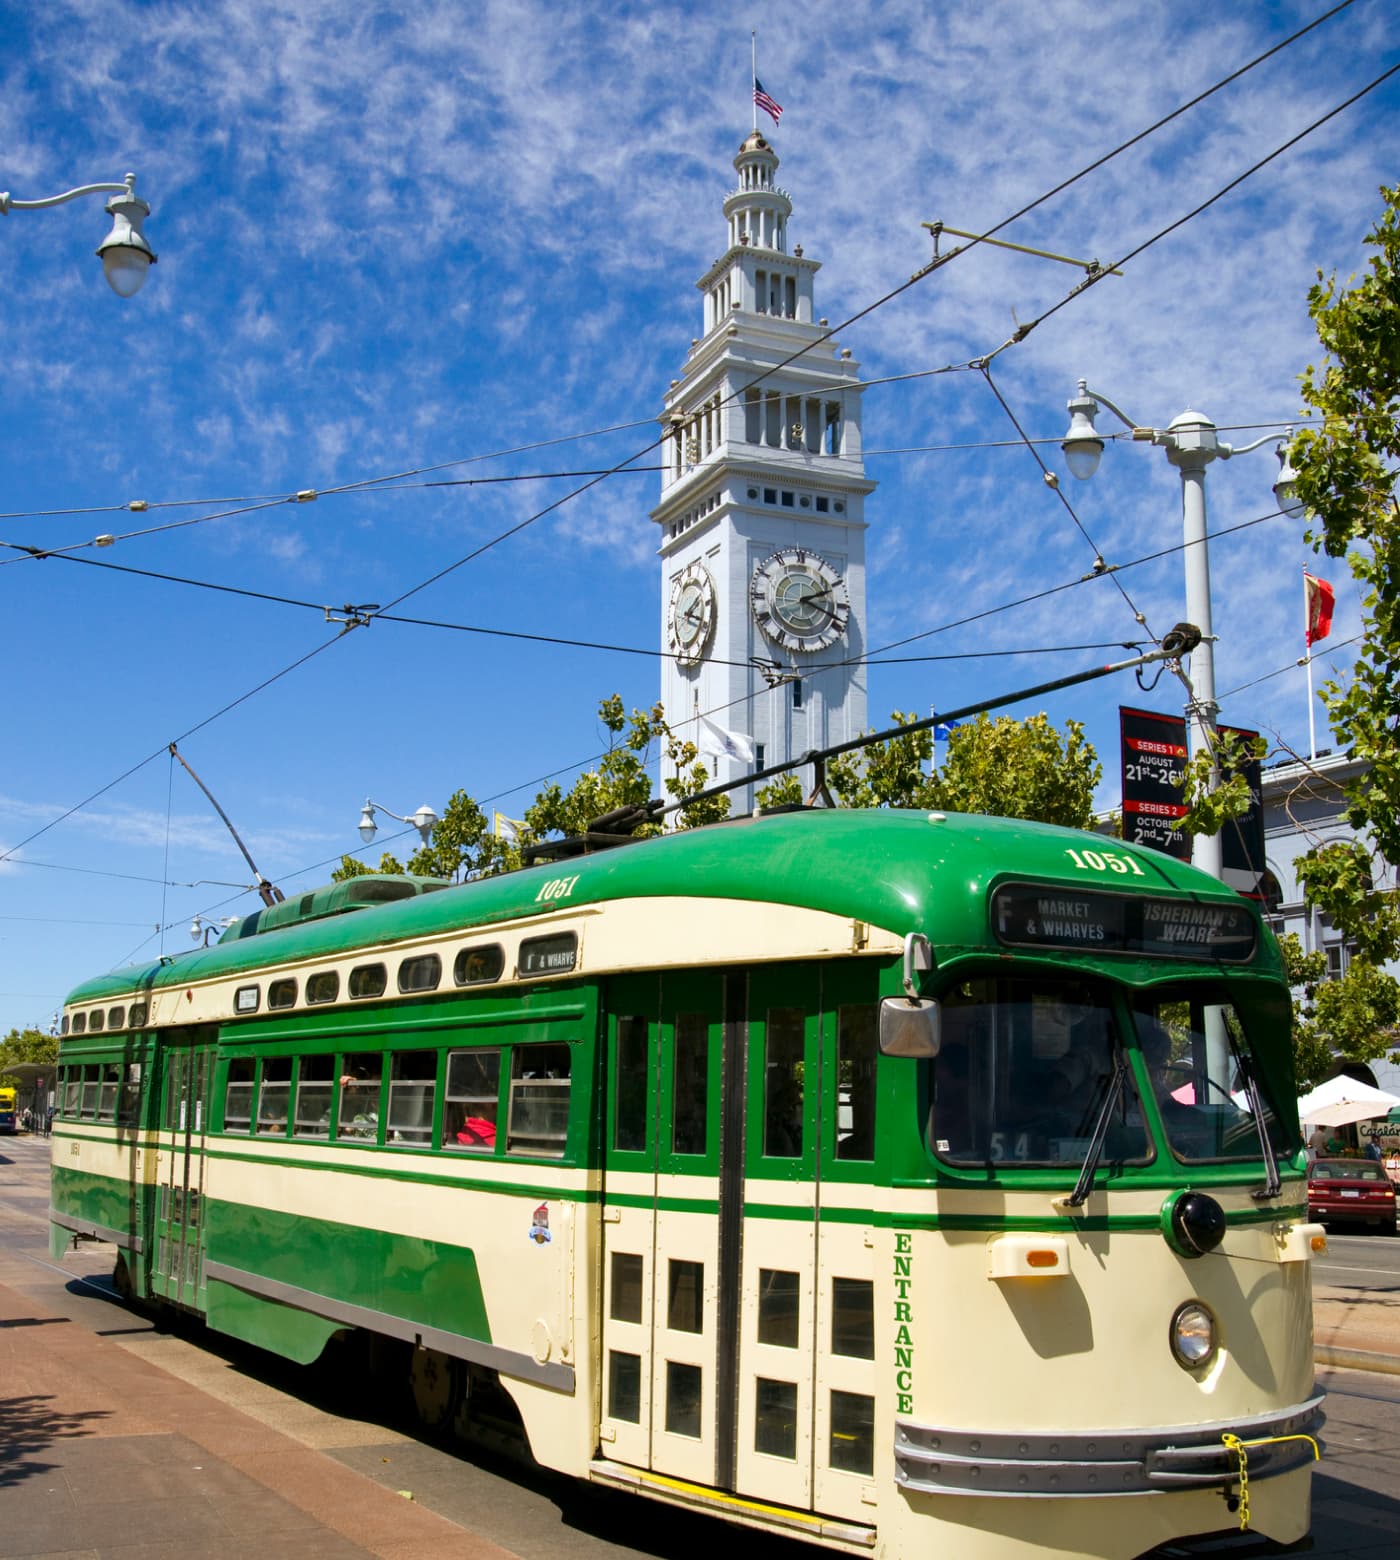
(935, 264)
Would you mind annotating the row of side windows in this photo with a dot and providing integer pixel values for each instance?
(94, 1020)
(455, 1100)
(98, 1091)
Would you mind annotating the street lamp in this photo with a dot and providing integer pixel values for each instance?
(125, 254)
(424, 820)
(1191, 444)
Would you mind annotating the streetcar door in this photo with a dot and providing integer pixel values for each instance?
(178, 1254)
(777, 1331)
(662, 1389)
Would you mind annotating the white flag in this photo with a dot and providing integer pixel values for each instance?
(732, 744)
(508, 830)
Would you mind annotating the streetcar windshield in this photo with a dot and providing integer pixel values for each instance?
(1199, 1058)
(1024, 1068)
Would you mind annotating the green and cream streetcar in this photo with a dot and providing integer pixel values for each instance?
(917, 1184)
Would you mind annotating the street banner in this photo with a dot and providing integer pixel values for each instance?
(1154, 757)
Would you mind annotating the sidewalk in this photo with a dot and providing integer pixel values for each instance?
(109, 1457)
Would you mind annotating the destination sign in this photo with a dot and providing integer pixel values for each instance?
(1026, 916)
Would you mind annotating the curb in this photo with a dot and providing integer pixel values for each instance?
(1356, 1359)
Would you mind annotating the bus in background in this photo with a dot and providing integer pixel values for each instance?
(8, 1105)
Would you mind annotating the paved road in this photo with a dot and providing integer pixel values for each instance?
(540, 1517)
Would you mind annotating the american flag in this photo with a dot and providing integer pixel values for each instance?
(769, 105)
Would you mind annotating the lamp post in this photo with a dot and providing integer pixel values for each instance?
(424, 820)
(126, 256)
(1191, 444)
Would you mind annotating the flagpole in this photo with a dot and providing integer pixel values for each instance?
(1307, 640)
(753, 75)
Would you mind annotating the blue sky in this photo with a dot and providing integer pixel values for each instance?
(418, 237)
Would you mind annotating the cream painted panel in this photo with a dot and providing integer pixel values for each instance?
(848, 1252)
(620, 935)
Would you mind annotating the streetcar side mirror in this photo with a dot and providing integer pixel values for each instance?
(909, 1028)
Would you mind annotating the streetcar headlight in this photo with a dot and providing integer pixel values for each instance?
(1194, 1335)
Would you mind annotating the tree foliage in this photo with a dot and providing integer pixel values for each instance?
(26, 1045)
(1346, 476)
(1007, 767)
(1353, 1019)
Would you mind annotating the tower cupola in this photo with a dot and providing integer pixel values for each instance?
(758, 211)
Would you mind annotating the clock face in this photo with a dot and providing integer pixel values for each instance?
(691, 618)
(799, 601)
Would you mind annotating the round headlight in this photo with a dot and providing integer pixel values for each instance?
(1194, 1337)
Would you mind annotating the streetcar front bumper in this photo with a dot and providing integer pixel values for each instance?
(1043, 1464)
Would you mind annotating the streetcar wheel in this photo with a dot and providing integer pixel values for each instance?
(121, 1279)
(435, 1382)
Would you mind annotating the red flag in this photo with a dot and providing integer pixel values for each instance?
(1320, 598)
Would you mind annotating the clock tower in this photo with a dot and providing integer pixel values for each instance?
(763, 491)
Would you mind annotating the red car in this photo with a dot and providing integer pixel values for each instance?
(1351, 1191)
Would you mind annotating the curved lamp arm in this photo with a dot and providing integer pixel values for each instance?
(126, 256)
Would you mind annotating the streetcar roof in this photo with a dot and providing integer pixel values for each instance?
(900, 870)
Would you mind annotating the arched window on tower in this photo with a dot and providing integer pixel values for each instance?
(790, 297)
(760, 285)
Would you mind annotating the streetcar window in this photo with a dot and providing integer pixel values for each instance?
(539, 1100)
(471, 1103)
(64, 1029)
(856, 1045)
(775, 1418)
(72, 1091)
(852, 1432)
(90, 1088)
(1024, 1068)
(853, 1318)
(360, 1080)
(555, 955)
(238, 1096)
(478, 966)
(116, 1018)
(690, 1088)
(626, 1302)
(275, 1095)
(625, 1387)
(110, 1080)
(782, 1083)
(129, 1100)
(685, 1296)
(138, 1015)
(315, 1091)
(246, 999)
(324, 986)
(282, 994)
(683, 1399)
(94, 1021)
(420, 974)
(1197, 1055)
(412, 1085)
(631, 1094)
(369, 980)
(779, 1307)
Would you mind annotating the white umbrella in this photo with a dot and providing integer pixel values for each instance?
(1343, 1100)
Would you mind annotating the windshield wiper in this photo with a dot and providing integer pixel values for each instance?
(1273, 1183)
(1084, 1185)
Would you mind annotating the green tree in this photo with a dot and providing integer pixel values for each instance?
(621, 778)
(26, 1045)
(1007, 767)
(1346, 476)
(353, 867)
(1353, 1019)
